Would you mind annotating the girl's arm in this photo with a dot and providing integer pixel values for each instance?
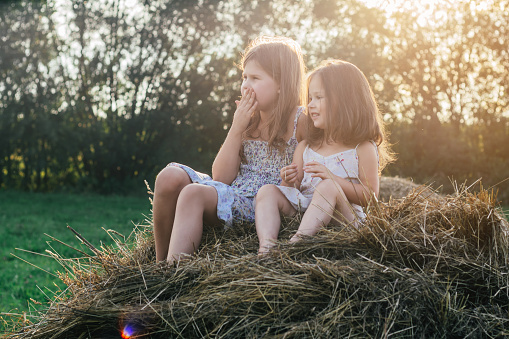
(292, 174)
(227, 162)
(362, 193)
(302, 130)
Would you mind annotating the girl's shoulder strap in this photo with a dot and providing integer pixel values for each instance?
(300, 109)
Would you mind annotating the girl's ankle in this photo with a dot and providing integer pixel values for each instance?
(265, 248)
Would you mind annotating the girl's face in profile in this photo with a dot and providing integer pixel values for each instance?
(265, 87)
(317, 106)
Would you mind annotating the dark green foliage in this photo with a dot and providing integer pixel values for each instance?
(112, 114)
(108, 98)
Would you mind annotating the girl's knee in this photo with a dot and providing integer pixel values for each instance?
(197, 198)
(198, 195)
(192, 192)
(328, 186)
(330, 190)
(170, 180)
(266, 192)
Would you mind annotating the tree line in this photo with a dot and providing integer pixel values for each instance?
(101, 95)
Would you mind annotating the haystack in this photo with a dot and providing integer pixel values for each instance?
(419, 267)
(397, 188)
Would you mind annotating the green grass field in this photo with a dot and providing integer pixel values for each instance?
(26, 217)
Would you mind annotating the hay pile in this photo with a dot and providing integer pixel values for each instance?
(397, 188)
(421, 267)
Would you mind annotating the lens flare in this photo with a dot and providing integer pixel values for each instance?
(127, 332)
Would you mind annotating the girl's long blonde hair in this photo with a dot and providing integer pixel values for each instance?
(352, 113)
(282, 59)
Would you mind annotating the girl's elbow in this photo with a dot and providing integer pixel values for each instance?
(374, 193)
(367, 197)
(225, 179)
(370, 198)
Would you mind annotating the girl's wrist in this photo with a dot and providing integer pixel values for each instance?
(235, 132)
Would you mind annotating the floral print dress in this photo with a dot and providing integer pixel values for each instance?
(343, 164)
(235, 202)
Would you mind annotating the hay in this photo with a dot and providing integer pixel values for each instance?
(418, 268)
(397, 188)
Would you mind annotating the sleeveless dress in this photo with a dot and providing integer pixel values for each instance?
(343, 164)
(235, 202)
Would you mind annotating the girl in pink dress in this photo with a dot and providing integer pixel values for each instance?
(335, 172)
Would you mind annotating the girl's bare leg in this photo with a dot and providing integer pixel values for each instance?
(270, 203)
(196, 203)
(328, 199)
(169, 183)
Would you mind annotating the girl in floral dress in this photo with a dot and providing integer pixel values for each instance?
(266, 128)
(335, 171)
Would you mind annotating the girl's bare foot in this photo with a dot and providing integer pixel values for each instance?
(296, 237)
(265, 248)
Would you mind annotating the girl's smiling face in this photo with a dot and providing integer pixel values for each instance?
(317, 106)
(265, 87)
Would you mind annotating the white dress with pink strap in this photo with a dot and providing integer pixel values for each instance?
(343, 164)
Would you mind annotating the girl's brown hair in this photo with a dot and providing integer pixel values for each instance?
(282, 59)
(352, 112)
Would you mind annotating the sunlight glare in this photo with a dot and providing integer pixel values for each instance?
(127, 332)
(425, 10)
(392, 6)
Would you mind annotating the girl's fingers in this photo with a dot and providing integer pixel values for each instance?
(253, 107)
(314, 171)
(248, 101)
(245, 96)
(251, 101)
(290, 175)
(313, 167)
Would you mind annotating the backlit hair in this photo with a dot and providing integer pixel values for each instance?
(352, 115)
(282, 59)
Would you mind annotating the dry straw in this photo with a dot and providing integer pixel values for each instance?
(422, 266)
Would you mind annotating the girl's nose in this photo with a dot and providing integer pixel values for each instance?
(245, 85)
(244, 88)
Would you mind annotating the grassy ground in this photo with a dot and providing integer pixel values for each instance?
(25, 217)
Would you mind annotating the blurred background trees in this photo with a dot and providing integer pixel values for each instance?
(102, 95)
